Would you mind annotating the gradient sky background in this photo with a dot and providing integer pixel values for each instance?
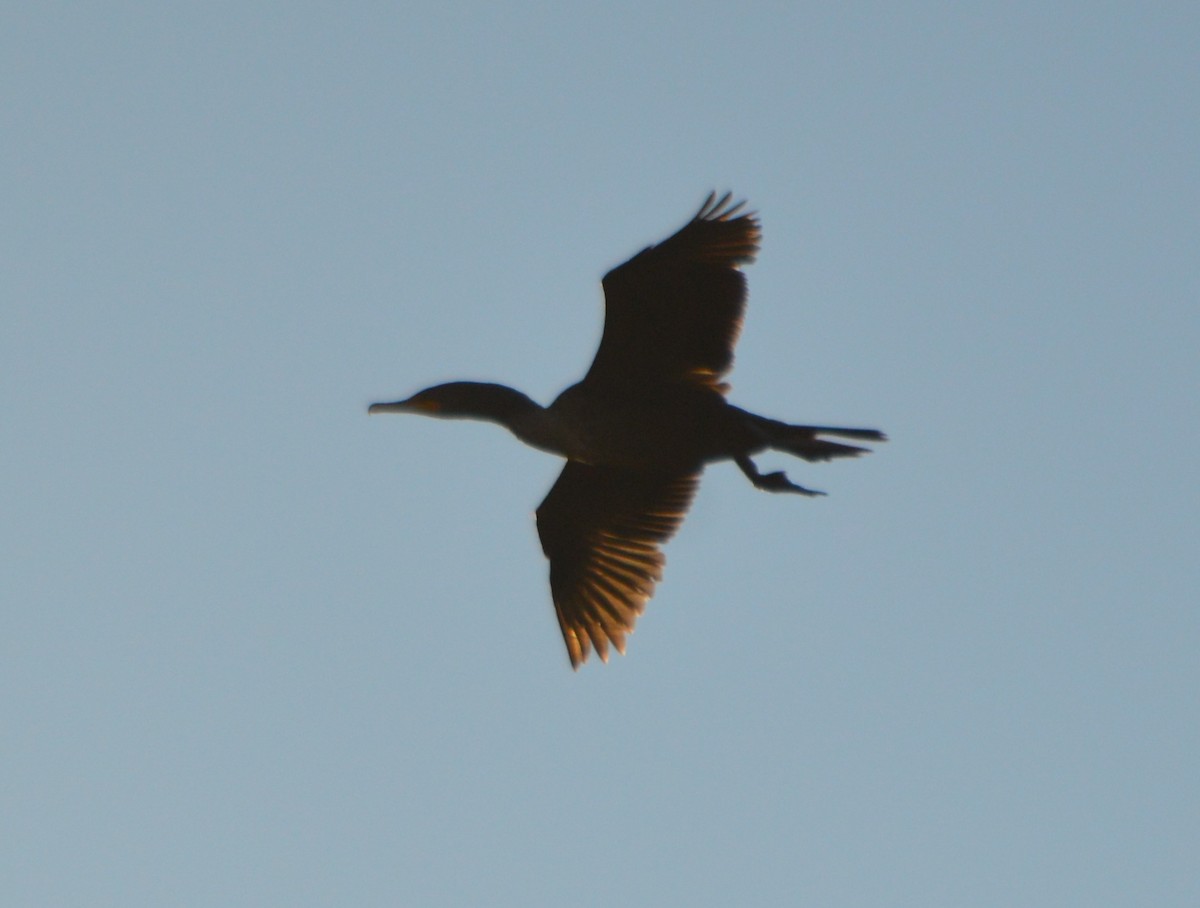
(260, 649)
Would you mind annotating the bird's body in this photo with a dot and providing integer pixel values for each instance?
(676, 426)
(639, 428)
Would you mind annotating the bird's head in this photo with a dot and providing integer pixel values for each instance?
(431, 401)
(462, 400)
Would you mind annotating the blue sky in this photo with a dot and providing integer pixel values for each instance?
(259, 649)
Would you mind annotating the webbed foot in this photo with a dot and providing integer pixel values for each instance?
(771, 482)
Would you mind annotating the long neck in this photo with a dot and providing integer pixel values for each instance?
(524, 417)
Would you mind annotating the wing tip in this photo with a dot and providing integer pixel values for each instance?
(723, 208)
(742, 246)
(583, 639)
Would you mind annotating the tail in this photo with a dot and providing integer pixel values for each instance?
(803, 441)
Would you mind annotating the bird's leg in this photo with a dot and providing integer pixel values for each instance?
(770, 482)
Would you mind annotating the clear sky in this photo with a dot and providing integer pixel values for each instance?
(260, 649)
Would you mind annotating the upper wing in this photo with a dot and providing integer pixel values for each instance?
(674, 311)
(601, 529)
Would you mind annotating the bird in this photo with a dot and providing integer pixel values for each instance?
(639, 428)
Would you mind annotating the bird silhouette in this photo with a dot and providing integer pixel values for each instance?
(640, 427)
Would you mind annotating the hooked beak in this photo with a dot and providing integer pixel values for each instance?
(400, 406)
(405, 406)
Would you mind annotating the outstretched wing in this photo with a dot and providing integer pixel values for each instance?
(601, 528)
(673, 311)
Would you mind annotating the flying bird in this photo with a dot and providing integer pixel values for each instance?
(640, 427)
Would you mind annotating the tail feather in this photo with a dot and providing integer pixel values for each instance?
(864, 434)
(803, 441)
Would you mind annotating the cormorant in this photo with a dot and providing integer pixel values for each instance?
(639, 428)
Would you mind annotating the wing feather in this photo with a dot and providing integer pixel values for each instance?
(602, 528)
(674, 311)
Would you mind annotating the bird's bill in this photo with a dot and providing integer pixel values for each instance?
(405, 406)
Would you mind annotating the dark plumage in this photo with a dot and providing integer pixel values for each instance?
(639, 428)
